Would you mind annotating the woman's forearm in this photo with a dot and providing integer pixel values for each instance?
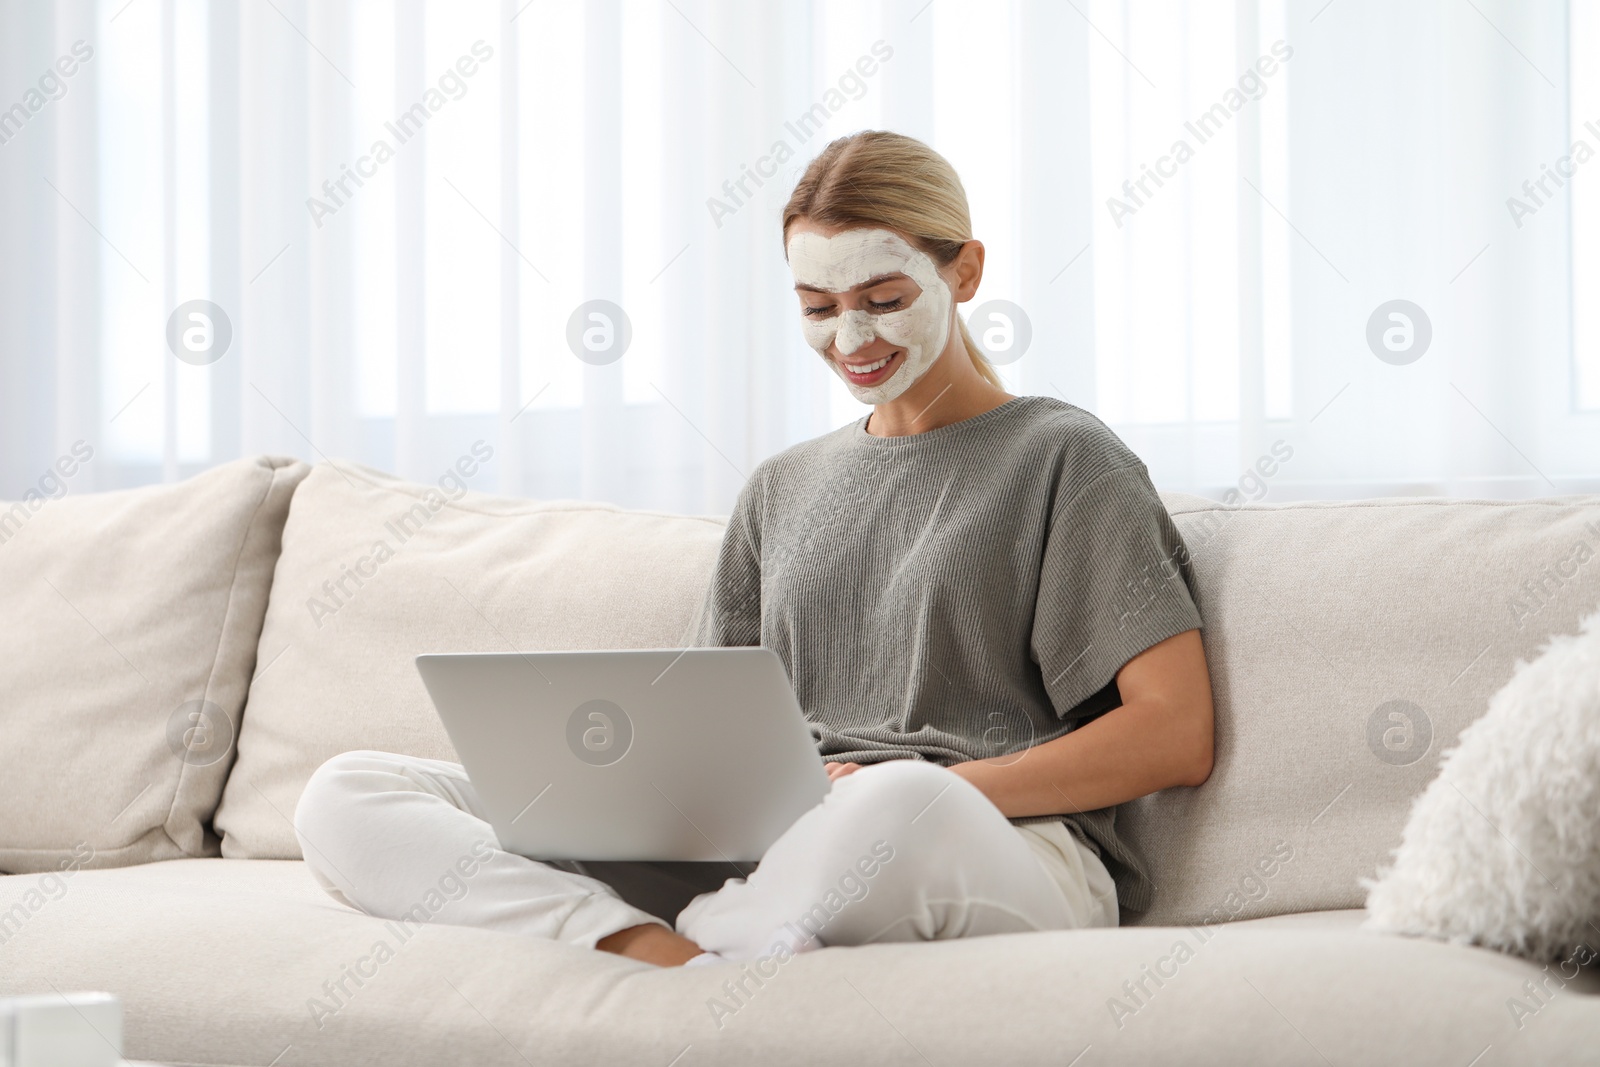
(1130, 751)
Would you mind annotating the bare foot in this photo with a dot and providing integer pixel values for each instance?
(652, 943)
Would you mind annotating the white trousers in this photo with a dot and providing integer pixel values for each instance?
(898, 851)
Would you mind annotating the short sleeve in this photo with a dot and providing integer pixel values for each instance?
(1115, 580)
(730, 612)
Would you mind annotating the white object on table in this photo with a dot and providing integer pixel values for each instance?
(61, 1030)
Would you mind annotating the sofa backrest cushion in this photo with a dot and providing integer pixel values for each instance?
(376, 570)
(129, 633)
(1348, 643)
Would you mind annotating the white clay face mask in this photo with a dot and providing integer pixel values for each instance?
(836, 264)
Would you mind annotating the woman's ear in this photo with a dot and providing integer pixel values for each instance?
(968, 267)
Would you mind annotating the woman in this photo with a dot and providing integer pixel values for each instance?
(980, 600)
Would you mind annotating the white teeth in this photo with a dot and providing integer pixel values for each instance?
(870, 367)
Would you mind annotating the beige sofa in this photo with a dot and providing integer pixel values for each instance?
(175, 661)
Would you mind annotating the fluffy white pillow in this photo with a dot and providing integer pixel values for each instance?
(1503, 847)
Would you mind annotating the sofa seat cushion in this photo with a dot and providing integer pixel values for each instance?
(247, 962)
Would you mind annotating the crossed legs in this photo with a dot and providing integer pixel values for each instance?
(897, 851)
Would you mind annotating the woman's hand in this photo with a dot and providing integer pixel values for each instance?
(839, 770)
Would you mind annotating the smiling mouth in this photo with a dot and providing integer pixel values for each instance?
(873, 371)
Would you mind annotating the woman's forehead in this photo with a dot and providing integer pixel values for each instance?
(876, 279)
(852, 259)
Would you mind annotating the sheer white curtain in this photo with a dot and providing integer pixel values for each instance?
(431, 223)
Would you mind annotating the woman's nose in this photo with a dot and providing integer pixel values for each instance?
(855, 329)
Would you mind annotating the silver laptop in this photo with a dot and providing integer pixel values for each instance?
(661, 754)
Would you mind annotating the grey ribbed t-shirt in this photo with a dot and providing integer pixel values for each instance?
(958, 594)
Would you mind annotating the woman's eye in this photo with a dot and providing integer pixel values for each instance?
(879, 306)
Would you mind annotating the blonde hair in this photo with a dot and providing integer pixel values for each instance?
(879, 178)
